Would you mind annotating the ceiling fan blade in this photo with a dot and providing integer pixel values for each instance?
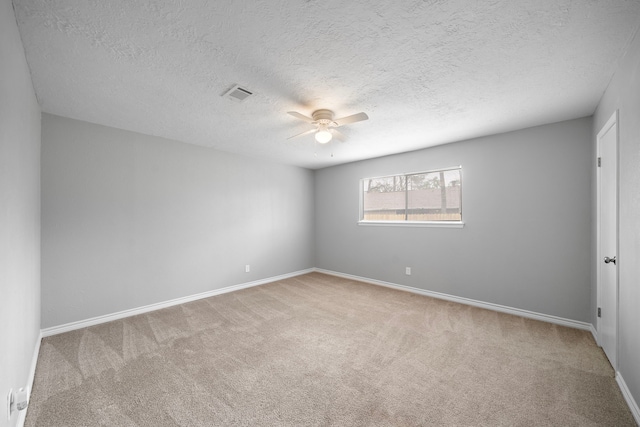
(300, 116)
(339, 135)
(351, 119)
(306, 132)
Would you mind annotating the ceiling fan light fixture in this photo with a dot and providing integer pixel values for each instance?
(323, 135)
(325, 124)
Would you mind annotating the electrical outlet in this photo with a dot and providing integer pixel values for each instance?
(247, 268)
(407, 271)
(9, 404)
(21, 399)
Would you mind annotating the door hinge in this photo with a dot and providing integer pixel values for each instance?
(599, 161)
(599, 312)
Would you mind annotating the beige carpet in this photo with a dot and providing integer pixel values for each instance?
(322, 351)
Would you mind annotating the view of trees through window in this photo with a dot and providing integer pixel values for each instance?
(428, 196)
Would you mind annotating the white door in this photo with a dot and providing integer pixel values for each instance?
(608, 238)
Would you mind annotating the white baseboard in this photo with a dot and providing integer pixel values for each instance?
(22, 416)
(157, 306)
(633, 405)
(594, 332)
(54, 330)
(489, 306)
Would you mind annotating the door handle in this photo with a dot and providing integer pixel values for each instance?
(607, 260)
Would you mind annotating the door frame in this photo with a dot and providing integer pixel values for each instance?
(613, 121)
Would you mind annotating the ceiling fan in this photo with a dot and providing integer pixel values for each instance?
(325, 124)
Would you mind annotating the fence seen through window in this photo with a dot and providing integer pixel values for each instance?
(426, 196)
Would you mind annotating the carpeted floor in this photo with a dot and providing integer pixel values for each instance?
(323, 351)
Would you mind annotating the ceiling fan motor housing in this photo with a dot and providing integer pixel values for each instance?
(324, 117)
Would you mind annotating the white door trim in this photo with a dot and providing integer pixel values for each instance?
(613, 121)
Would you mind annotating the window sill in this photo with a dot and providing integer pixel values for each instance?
(437, 224)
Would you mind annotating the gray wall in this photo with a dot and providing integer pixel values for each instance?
(527, 208)
(623, 94)
(130, 220)
(19, 213)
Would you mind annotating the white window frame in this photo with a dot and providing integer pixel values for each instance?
(378, 223)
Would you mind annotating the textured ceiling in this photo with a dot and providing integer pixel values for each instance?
(426, 72)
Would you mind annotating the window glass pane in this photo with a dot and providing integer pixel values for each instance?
(434, 196)
(384, 198)
(427, 196)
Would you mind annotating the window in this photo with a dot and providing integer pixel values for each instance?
(433, 198)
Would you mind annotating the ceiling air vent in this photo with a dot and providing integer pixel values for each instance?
(237, 93)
